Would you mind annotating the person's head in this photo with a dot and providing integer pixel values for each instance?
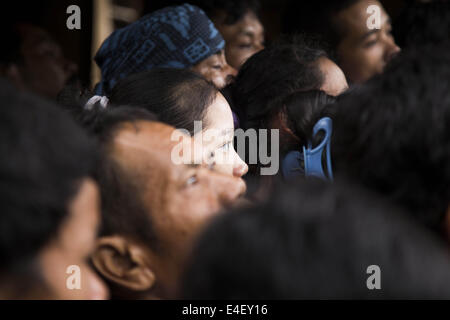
(50, 209)
(317, 241)
(174, 37)
(393, 136)
(33, 61)
(180, 98)
(239, 24)
(361, 52)
(152, 207)
(269, 77)
(278, 71)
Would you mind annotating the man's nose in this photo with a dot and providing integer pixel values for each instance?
(230, 189)
(392, 49)
(229, 73)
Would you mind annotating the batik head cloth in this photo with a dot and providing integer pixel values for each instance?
(173, 37)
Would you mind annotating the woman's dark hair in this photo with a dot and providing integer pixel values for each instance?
(302, 111)
(268, 78)
(45, 157)
(272, 74)
(177, 97)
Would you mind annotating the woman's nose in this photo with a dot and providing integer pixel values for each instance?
(240, 170)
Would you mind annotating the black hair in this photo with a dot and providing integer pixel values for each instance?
(271, 75)
(124, 210)
(392, 135)
(45, 157)
(303, 110)
(234, 10)
(423, 24)
(178, 97)
(268, 78)
(312, 240)
(316, 17)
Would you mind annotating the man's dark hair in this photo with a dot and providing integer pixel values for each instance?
(45, 157)
(177, 97)
(316, 241)
(316, 17)
(234, 10)
(123, 209)
(393, 135)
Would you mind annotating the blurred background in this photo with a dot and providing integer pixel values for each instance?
(100, 17)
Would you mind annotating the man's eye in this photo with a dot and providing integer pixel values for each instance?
(191, 181)
(370, 43)
(217, 66)
(245, 45)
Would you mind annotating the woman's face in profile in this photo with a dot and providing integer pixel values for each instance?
(216, 69)
(218, 139)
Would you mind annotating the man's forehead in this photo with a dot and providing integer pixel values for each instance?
(354, 19)
(145, 136)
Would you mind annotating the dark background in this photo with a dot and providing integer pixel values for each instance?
(76, 44)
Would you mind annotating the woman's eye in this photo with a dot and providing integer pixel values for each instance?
(217, 66)
(226, 146)
(191, 181)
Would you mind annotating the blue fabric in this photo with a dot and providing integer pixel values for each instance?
(175, 37)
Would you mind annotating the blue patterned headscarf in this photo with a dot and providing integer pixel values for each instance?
(173, 37)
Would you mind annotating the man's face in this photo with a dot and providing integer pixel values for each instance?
(216, 69)
(72, 246)
(180, 198)
(44, 70)
(243, 39)
(364, 53)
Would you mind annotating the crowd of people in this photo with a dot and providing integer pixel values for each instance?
(208, 165)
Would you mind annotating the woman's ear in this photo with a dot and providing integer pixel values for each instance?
(124, 263)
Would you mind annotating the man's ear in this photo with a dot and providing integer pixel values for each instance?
(123, 262)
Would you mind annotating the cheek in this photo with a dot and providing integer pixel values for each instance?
(236, 57)
(218, 78)
(361, 64)
(370, 60)
(79, 283)
(93, 288)
(187, 215)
